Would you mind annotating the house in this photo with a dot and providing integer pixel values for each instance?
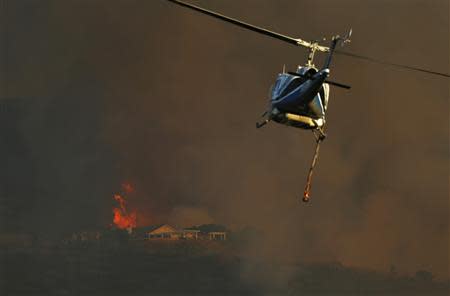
(217, 235)
(211, 231)
(163, 231)
(168, 232)
(191, 233)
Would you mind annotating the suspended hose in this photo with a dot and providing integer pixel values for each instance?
(311, 170)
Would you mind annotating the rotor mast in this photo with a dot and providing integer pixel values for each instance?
(313, 47)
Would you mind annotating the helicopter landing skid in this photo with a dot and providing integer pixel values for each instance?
(265, 121)
(262, 123)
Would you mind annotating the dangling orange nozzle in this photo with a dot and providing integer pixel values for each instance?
(307, 187)
(306, 195)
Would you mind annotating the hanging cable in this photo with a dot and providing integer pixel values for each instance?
(306, 193)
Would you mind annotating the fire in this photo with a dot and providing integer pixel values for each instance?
(123, 219)
(127, 187)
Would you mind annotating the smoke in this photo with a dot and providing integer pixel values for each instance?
(167, 99)
(185, 216)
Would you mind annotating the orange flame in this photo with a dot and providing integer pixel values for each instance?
(127, 188)
(122, 219)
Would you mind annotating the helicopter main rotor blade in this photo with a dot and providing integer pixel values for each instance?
(297, 41)
(377, 61)
(288, 39)
(326, 80)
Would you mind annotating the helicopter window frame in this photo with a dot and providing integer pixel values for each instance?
(293, 84)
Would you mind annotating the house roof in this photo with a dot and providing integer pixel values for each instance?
(162, 228)
(152, 228)
(166, 228)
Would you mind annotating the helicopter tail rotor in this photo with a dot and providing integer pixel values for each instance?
(334, 42)
(346, 38)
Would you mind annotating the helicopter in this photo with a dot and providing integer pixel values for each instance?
(299, 99)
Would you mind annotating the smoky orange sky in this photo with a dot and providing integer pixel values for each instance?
(97, 92)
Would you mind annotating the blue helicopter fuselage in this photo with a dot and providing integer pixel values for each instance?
(300, 99)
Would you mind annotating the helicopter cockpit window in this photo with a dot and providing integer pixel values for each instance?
(280, 83)
(292, 85)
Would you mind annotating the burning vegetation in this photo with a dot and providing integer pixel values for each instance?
(123, 218)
